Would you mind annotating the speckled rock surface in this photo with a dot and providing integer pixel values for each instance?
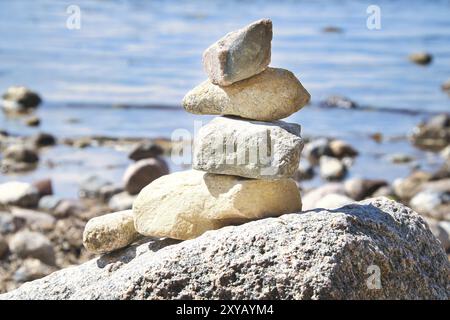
(271, 95)
(110, 232)
(239, 54)
(314, 255)
(252, 149)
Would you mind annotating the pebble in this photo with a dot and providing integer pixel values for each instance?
(332, 169)
(311, 198)
(44, 187)
(110, 232)
(421, 58)
(43, 140)
(315, 149)
(359, 189)
(32, 269)
(91, 187)
(48, 203)
(33, 121)
(339, 102)
(141, 173)
(121, 201)
(21, 153)
(145, 150)
(333, 201)
(20, 99)
(32, 244)
(240, 54)
(341, 149)
(35, 220)
(20, 194)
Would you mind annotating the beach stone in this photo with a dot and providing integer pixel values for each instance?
(312, 197)
(332, 168)
(433, 134)
(121, 201)
(426, 201)
(35, 220)
(19, 98)
(400, 158)
(43, 140)
(271, 95)
(20, 194)
(240, 54)
(44, 187)
(7, 223)
(141, 173)
(32, 269)
(305, 171)
(315, 149)
(32, 244)
(110, 232)
(406, 188)
(33, 121)
(106, 192)
(48, 203)
(341, 149)
(21, 153)
(183, 205)
(319, 254)
(385, 191)
(333, 201)
(359, 189)
(249, 149)
(67, 208)
(446, 85)
(145, 150)
(422, 58)
(339, 102)
(91, 187)
(439, 231)
(3, 246)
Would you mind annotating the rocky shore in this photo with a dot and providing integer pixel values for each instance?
(41, 232)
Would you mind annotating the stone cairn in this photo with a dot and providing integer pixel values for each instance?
(243, 160)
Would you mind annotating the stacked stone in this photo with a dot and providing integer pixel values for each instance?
(243, 160)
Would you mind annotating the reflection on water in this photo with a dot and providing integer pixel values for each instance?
(149, 52)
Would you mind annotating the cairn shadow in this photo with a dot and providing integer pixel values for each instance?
(126, 255)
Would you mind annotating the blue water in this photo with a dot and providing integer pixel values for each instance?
(149, 52)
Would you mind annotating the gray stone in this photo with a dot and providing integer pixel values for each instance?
(271, 95)
(145, 150)
(339, 102)
(3, 246)
(42, 139)
(427, 201)
(333, 201)
(91, 186)
(21, 153)
(422, 58)
(32, 244)
(34, 219)
(140, 174)
(433, 134)
(311, 198)
(19, 99)
(121, 201)
(332, 169)
(32, 269)
(240, 54)
(320, 254)
(359, 189)
(251, 149)
(7, 223)
(20, 194)
(49, 203)
(315, 149)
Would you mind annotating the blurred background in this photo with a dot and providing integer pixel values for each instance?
(111, 90)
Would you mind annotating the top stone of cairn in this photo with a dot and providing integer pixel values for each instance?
(240, 54)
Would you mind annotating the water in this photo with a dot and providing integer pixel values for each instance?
(149, 52)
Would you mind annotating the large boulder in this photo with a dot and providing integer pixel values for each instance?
(320, 254)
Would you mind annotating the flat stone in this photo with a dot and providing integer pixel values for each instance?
(240, 54)
(21, 194)
(251, 149)
(183, 205)
(141, 173)
(110, 232)
(271, 95)
(32, 244)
